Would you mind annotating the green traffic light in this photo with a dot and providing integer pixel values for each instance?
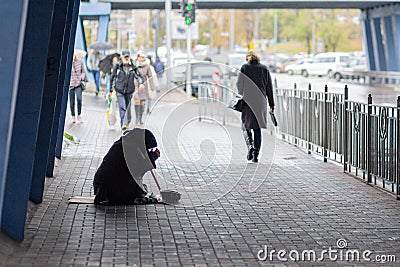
(189, 7)
(188, 21)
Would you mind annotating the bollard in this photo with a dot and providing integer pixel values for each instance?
(325, 125)
(398, 150)
(275, 83)
(345, 129)
(369, 141)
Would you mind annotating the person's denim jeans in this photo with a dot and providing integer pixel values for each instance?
(96, 77)
(124, 102)
(78, 92)
(108, 82)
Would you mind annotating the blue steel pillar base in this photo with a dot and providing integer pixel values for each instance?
(13, 15)
(64, 99)
(53, 76)
(27, 112)
(66, 63)
(378, 48)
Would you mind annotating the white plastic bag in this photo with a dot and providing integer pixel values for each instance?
(112, 109)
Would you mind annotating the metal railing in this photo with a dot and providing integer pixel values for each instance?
(378, 77)
(213, 102)
(363, 137)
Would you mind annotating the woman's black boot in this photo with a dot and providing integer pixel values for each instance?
(250, 144)
(255, 155)
(257, 146)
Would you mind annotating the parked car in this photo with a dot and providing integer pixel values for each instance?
(282, 63)
(203, 72)
(178, 63)
(325, 64)
(270, 60)
(352, 69)
(297, 67)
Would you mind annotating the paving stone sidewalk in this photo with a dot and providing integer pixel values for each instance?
(230, 210)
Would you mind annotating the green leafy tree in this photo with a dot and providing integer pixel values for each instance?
(298, 25)
(266, 24)
(335, 32)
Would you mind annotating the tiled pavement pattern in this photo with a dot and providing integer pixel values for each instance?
(302, 204)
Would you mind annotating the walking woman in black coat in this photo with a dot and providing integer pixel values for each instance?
(255, 85)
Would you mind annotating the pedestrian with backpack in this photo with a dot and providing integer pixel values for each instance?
(159, 68)
(125, 80)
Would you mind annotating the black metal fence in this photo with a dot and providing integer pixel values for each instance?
(364, 137)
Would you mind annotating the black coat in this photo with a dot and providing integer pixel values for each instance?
(122, 82)
(255, 85)
(113, 180)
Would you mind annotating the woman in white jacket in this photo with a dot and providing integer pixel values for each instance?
(148, 73)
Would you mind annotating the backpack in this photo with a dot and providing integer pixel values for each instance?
(158, 66)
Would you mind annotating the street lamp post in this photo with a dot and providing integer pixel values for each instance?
(168, 41)
(232, 31)
(188, 68)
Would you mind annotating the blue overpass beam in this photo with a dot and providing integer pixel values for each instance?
(377, 41)
(389, 43)
(80, 39)
(64, 100)
(367, 40)
(396, 35)
(53, 76)
(27, 112)
(102, 31)
(67, 53)
(381, 36)
(13, 16)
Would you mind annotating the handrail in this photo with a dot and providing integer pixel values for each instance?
(363, 137)
(381, 77)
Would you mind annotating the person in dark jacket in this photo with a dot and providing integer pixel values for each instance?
(255, 85)
(125, 78)
(119, 178)
(159, 68)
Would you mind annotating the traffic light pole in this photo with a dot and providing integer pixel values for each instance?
(188, 66)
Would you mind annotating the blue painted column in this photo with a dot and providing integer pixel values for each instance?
(367, 40)
(27, 113)
(80, 39)
(51, 82)
(396, 36)
(390, 53)
(61, 84)
(64, 100)
(103, 28)
(378, 48)
(13, 16)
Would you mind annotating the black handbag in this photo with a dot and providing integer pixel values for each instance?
(83, 82)
(83, 85)
(236, 103)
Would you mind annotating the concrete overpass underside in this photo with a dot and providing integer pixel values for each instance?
(237, 4)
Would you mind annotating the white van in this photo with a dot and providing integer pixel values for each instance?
(325, 64)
